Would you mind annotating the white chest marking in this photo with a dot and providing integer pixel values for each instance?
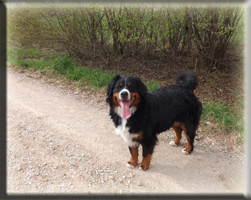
(123, 132)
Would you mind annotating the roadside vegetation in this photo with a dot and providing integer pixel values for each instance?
(63, 41)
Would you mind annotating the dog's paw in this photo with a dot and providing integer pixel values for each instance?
(143, 167)
(130, 166)
(172, 143)
(184, 151)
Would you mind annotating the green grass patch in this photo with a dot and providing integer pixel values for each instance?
(33, 52)
(28, 53)
(98, 77)
(62, 65)
(22, 56)
(68, 67)
(228, 118)
(12, 55)
(14, 59)
(152, 85)
(65, 66)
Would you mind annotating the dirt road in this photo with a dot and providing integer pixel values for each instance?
(60, 141)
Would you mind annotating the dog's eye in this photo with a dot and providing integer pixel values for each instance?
(120, 85)
(131, 87)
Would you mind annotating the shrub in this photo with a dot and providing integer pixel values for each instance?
(212, 31)
(206, 34)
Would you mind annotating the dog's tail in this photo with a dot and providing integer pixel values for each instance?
(187, 80)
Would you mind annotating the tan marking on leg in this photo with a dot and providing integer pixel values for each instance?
(188, 147)
(145, 164)
(134, 156)
(178, 132)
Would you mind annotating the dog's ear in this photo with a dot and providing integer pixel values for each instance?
(142, 88)
(110, 88)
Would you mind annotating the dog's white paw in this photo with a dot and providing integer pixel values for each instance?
(172, 143)
(141, 168)
(130, 166)
(184, 151)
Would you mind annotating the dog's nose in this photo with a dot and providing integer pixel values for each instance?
(124, 95)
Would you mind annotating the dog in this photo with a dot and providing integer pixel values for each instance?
(139, 116)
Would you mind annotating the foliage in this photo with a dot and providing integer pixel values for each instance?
(212, 32)
(207, 34)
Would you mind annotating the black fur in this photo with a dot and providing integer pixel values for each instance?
(158, 110)
(109, 91)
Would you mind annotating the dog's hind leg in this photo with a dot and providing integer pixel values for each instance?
(190, 139)
(177, 138)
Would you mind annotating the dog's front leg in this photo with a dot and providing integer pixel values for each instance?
(134, 156)
(147, 156)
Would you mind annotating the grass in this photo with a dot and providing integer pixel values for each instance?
(152, 85)
(228, 118)
(63, 65)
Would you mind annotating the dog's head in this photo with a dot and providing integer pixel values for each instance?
(124, 94)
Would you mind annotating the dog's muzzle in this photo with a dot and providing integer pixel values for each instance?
(124, 95)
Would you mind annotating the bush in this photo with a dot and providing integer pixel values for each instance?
(212, 31)
(206, 34)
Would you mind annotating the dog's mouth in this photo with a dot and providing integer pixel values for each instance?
(125, 107)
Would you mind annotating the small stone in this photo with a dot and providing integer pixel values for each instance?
(19, 168)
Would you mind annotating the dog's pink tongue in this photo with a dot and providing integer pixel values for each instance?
(125, 111)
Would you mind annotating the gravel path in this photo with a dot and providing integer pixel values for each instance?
(59, 141)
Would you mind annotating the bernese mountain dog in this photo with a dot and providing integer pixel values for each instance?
(139, 116)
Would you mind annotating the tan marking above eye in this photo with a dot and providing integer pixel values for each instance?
(129, 84)
(120, 84)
